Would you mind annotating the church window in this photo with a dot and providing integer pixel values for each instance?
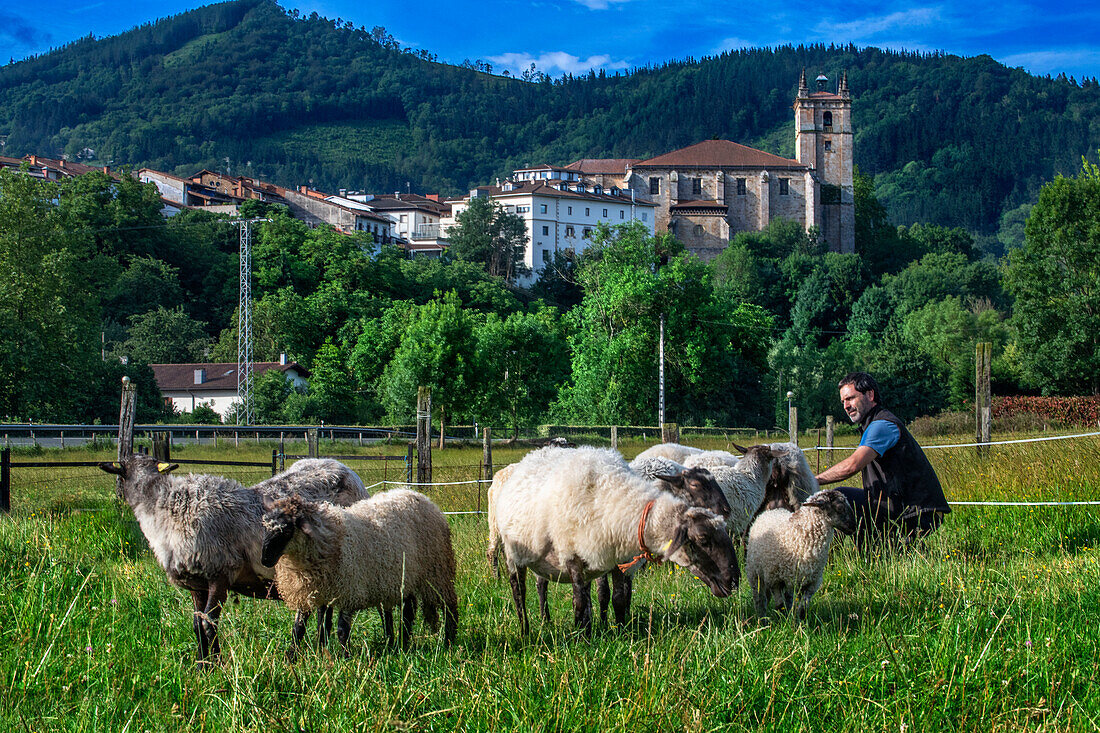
(697, 186)
(828, 145)
(654, 185)
(741, 188)
(697, 230)
(827, 119)
(784, 187)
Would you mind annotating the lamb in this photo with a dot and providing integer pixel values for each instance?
(787, 551)
(672, 451)
(205, 531)
(394, 548)
(573, 515)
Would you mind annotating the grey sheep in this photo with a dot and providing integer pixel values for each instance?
(205, 531)
(391, 549)
(787, 551)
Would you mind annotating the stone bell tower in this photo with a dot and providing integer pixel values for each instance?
(823, 143)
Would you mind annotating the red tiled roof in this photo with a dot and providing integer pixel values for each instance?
(174, 377)
(602, 166)
(718, 154)
(542, 188)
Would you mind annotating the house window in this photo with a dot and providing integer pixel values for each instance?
(542, 208)
(741, 187)
(784, 187)
(521, 209)
(697, 186)
(545, 231)
(587, 231)
(697, 230)
(587, 211)
(654, 185)
(546, 255)
(622, 213)
(605, 213)
(570, 210)
(828, 145)
(645, 216)
(404, 218)
(827, 119)
(570, 231)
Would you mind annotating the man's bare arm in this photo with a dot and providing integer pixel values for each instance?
(850, 466)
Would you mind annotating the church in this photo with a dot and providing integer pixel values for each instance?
(708, 192)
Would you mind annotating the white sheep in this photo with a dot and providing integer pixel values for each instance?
(745, 485)
(205, 531)
(709, 458)
(574, 515)
(392, 549)
(787, 550)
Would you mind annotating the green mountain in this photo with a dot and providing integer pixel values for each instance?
(251, 89)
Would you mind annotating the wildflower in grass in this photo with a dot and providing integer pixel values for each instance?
(88, 649)
(885, 663)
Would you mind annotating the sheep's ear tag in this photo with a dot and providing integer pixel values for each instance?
(665, 549)
(167, 467)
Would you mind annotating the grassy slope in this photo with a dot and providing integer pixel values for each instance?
(990, 625)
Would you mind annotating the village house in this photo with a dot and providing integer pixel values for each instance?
(186, 386)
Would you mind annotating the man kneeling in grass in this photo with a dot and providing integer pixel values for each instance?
(901, 493)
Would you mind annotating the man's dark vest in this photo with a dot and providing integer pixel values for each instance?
(902, 473)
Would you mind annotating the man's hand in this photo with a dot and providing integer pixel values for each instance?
(850, 466)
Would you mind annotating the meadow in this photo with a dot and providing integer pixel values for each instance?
(989, 625)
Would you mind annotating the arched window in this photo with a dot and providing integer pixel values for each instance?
(827, 119)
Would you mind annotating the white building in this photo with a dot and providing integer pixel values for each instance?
(561, 211)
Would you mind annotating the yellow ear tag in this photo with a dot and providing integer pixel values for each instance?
(164, 467)
(665, 548)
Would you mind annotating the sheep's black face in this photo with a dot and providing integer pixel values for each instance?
(278, 532)
(697, 487)
(710, 552)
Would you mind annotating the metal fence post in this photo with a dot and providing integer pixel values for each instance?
(274, 461)
(5, 480)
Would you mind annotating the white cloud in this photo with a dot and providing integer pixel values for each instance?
(732, 44)
(600, 4)
(1054, 62)
(555, 63)
(865, 28)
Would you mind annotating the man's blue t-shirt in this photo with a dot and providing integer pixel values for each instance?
(880, 436)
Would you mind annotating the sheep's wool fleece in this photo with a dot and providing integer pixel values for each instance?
(804, 482)
(654, 466)
(317, 479)
(199, 525)
(562, 505)
(375, 552)
(672, 451)
(789, 548)
(709, 458)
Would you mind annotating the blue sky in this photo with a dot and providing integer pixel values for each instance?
(575, 35)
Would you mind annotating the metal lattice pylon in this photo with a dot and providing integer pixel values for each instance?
(246, 414)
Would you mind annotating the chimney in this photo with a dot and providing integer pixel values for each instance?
(200, 376)
(282, 359)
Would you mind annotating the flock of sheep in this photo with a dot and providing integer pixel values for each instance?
(314, 538)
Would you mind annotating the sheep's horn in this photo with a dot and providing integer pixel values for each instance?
(739, 449)
(167, 467)
(115, 468)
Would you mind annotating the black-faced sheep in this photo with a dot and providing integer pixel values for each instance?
(574, 515)
(391, 549)
(787, 551)
(205, 531)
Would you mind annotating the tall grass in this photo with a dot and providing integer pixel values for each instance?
(989, 625)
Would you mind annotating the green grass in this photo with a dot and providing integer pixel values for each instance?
(989, 625)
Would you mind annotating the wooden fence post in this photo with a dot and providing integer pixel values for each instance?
(792, 424)
(274, 461)
(409, 460)
(125, 426)
(424, 435)
(5, 480)
(670, 432)
(829, 430)
(486, 461)
(311, 442)
(162, 448)
(615, 437)
(983, 417)
(282, 452)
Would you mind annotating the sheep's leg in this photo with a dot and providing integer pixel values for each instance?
(622, 589)
(603, 595)
(324, 627)
(216, 594)
(450, 614)
(517, 578)
(198, 599)
(582, 600)
(759, 596)
(343, 630)
(386, 614)
(542, 586)
(297, 633)
(408, 615)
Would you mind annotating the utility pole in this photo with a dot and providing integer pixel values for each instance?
(661, 373)
(246, 415)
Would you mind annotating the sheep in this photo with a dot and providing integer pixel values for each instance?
(794, 480)
(672, 451)
(574, 515)
(709, 458)
(205, 531)
(492, 551)
(745, 484)
(393, 548)
(787, 550)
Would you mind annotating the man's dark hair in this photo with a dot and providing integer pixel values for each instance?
(863, 383)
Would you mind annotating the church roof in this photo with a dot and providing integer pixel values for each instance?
(601, 166)
(719, 154)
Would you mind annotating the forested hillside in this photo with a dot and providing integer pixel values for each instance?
(249, 88)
